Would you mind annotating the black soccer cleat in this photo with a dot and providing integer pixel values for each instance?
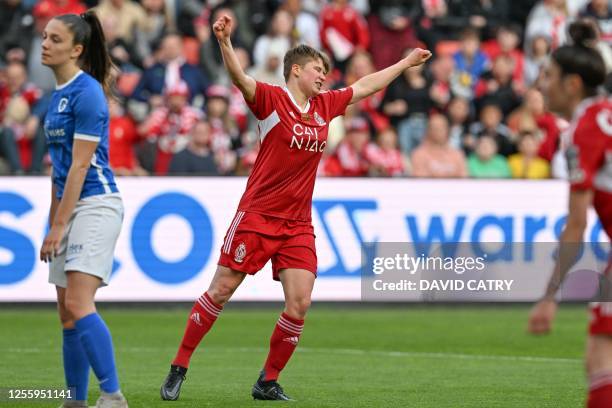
(269, 391)
(171, 388)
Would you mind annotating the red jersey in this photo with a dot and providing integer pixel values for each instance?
(292, 143)
(589, 155)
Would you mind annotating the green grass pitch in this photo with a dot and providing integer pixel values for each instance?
(349, 356)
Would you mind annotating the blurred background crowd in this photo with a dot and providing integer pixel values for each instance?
(474, 110)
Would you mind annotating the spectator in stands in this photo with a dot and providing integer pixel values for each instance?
(168, 128)
(484, 15)
(351, 156)
(122, 53)
(386, 159)
(343, 31)
(280, 33)
(491, 124)
(198, 158)
(158, 22)
(247, 154)
(526, 164)
(306, 24)
(435, 24)
(392, 30)
(268, 71)
(123, 140)
(168, 72)
(532, 115)
(497, 85)
(9, 151)
(470, 62)
(459, 119)
(485, 162)
(507, 41)
(407, 103)
(549, 18)
(129, 18)
(210, 53)
(440, 88)
(601, 11)
(435, 157)
(225, 135)
(19, 101)
(536, 55)
(16, 32)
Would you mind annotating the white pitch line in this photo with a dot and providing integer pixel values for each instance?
(360, 352)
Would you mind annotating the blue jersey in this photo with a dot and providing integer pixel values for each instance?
(78, 110)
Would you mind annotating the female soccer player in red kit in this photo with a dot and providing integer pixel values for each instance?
(570, 85)
(273, 218)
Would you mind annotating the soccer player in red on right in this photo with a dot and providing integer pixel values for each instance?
(570, 86)
(273, 219)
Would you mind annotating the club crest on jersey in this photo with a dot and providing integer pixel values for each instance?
(319, 119)
(62, 104)
(240, 252)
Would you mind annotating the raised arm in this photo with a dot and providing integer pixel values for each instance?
(373, 83)
(223, 30)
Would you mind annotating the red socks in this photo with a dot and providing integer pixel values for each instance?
(284, 340)
(600, 390)
(201, 319)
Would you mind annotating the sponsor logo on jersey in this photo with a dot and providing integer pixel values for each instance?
(240, 252)
(306, 138)
(59, 132)
(319, 119)
(62, 104)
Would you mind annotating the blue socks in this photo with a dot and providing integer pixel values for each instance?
(76, 365)
(98, 345)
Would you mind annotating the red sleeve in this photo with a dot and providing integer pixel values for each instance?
(336, 101)
(586, 153)
(263, 105)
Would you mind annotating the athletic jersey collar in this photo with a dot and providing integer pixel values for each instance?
(306, 109)
(62, 86)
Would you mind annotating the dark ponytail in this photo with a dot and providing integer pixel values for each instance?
(581, 57)
(95, 59)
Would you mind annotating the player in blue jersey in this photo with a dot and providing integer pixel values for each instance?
(86, 208)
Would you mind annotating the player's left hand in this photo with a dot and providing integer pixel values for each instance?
(418, 56)
(51, 244)
(542, 316)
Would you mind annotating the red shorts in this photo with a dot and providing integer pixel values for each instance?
(253, 239)
(601, 312)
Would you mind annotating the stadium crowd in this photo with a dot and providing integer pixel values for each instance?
(473, 111)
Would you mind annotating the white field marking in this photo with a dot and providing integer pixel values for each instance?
(359, 352)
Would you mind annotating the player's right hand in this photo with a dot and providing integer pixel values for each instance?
(542, 316)
(223, 27)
